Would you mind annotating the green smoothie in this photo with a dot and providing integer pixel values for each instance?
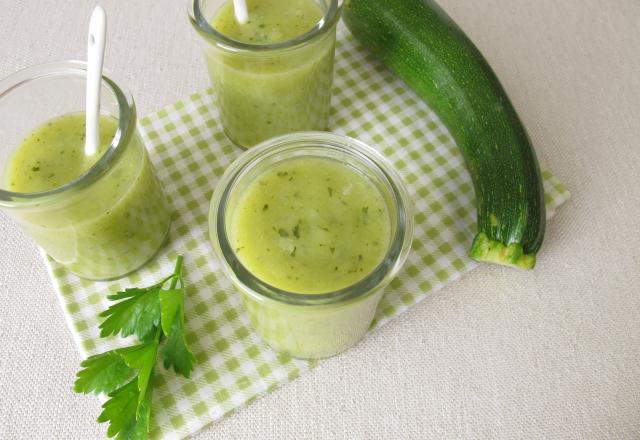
(101, 230)
(268, 92)
(310, 225)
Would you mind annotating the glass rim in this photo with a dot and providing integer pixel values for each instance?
(398, 247)
(126, 128)
(208, 32)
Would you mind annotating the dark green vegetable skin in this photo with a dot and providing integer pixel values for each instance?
(421, 44)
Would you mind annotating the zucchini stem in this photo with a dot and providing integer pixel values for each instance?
(492, 251)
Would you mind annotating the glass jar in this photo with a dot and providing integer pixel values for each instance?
(312, 325)
(266, 90)
(111, 219)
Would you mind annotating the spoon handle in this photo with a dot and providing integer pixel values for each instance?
(95, 58)
(240, 11)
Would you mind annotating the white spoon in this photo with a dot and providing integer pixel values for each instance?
(95, 58)
(240, 11)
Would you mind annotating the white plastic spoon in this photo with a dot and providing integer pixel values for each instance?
(95, 58)
(240, 10)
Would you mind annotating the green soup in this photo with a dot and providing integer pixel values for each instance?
(270, 21)
(265, 93)
(53, 154)
(310, 228)
(104, 229)
(310, 225)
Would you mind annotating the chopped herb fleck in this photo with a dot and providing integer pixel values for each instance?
(332, 249)
(365, 210)
(35, 169)
(283, 232)
(282, 173)
(293, 252)
(296, 230)
(265, 207)
(330, 191)
(360, 257)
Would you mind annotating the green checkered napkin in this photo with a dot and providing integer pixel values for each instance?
(190, 152)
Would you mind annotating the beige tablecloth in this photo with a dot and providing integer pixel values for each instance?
(553, 353)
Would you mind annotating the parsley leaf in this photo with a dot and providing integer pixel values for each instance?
(171, 304)
(138, 314)
(121, 413)
(102, 373)
(142, 357)
(176, 353)
(296, 230)
(126, 374)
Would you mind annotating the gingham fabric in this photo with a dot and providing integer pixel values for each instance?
(190, 152)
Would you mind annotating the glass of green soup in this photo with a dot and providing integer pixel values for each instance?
(311, 227)
(101, 215)
(271, 75)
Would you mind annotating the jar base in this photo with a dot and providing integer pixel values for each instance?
(164, 242)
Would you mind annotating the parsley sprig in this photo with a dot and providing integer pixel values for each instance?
(124, 375)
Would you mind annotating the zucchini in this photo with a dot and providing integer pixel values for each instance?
(422, 45)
